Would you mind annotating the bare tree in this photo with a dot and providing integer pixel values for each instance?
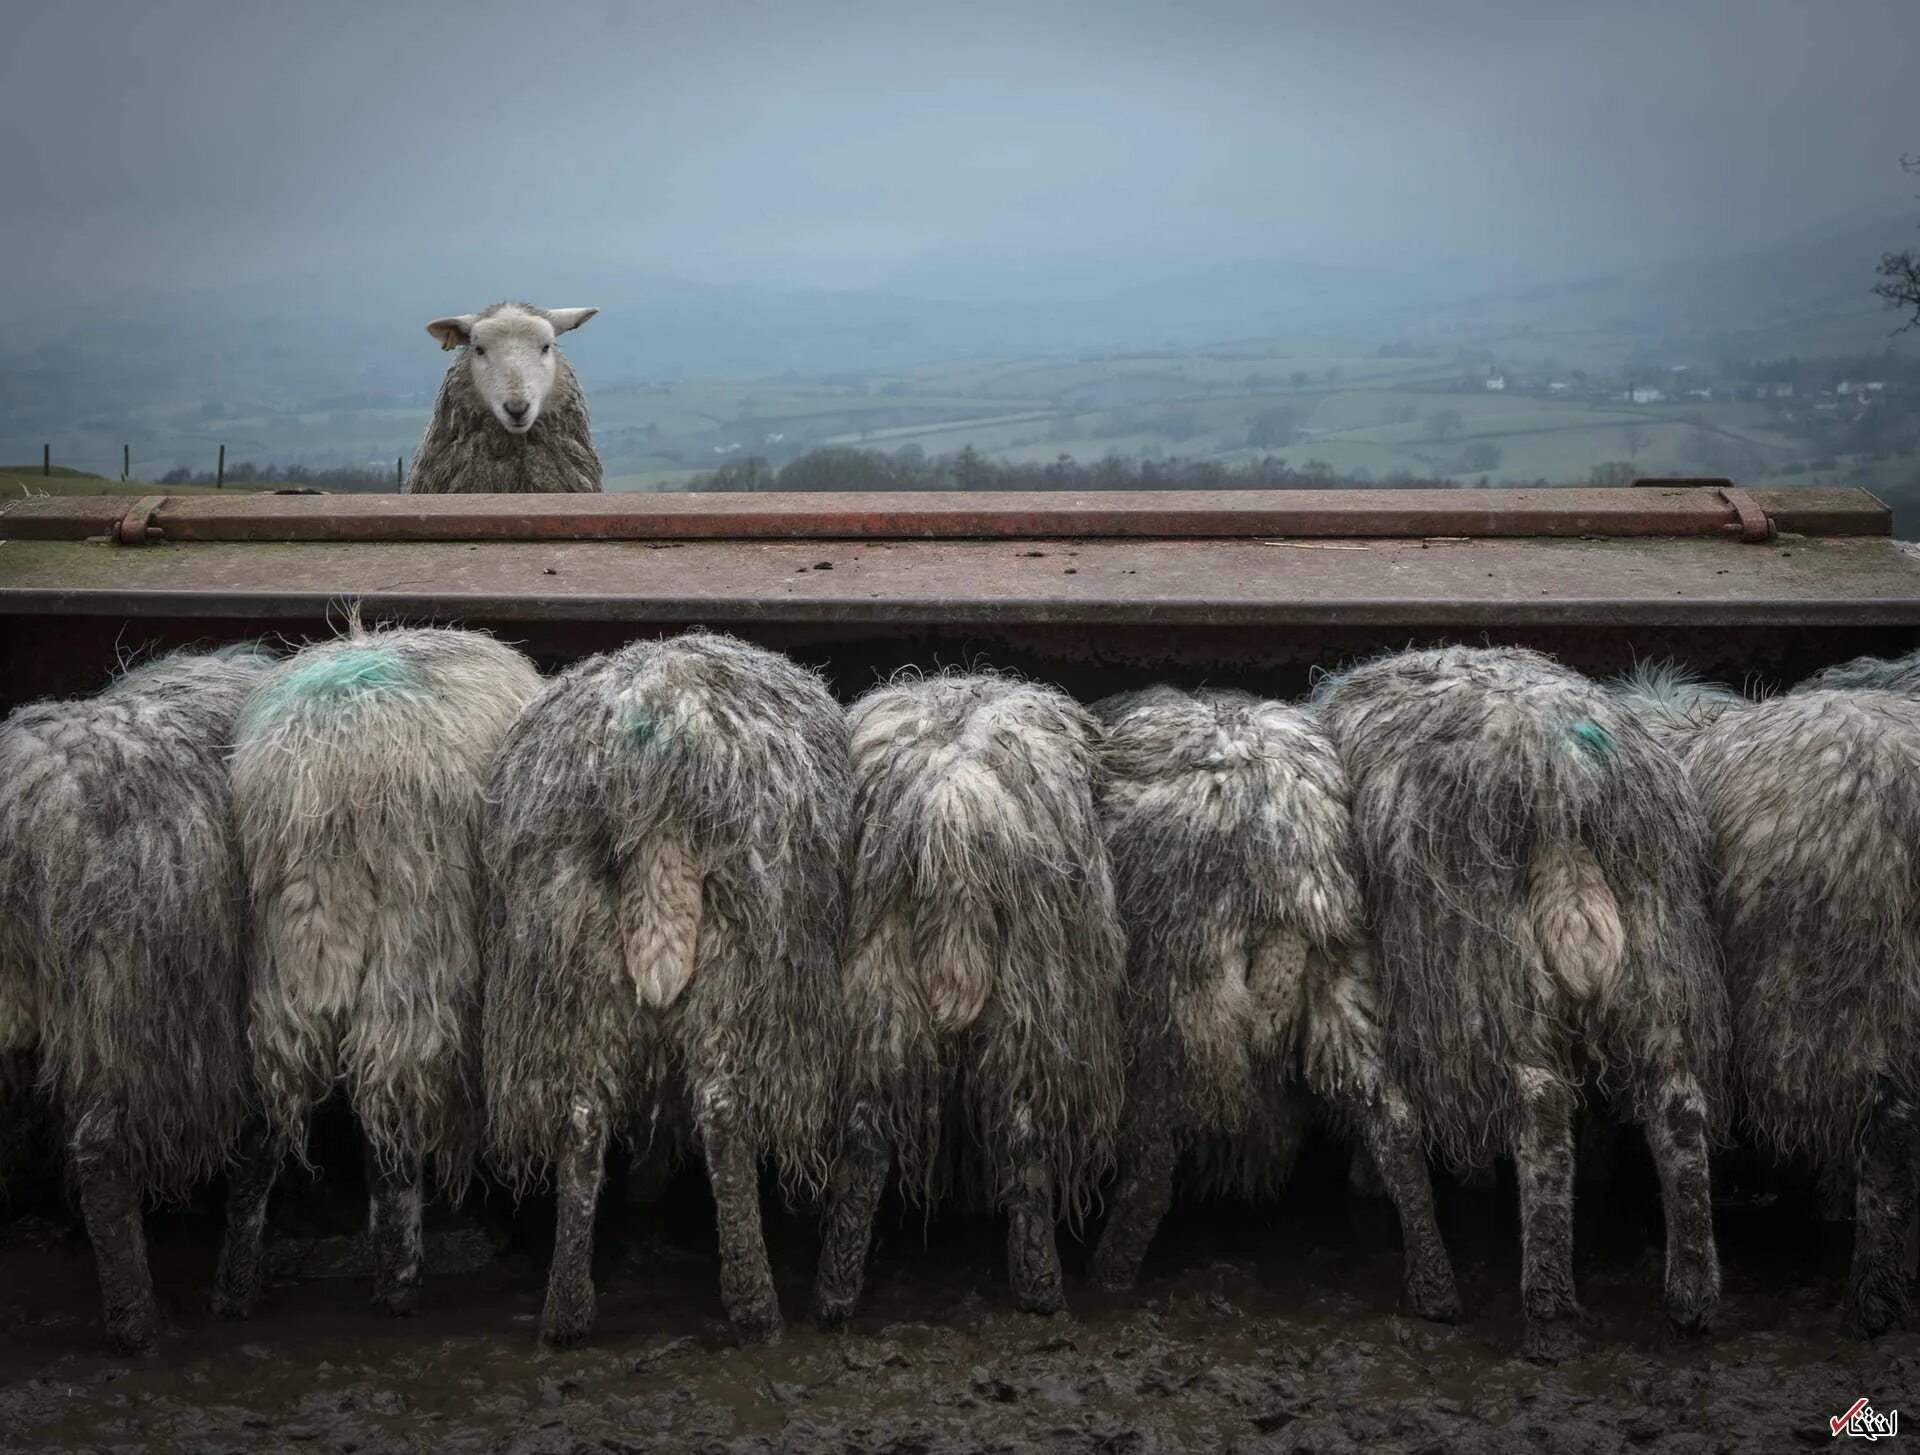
(1899, 273)
(1636, 440)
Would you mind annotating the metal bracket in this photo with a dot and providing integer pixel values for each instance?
(136, 527)
(1755, 524)
(1750, 522)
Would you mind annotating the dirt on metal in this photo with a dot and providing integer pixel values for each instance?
(1254, 1330)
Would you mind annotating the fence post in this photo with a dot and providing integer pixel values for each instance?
(46, 459)
(399, 475)
(126, 462)
(220, 471)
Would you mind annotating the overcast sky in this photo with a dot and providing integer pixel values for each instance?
(842, 143)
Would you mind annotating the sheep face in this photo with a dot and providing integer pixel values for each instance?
(510, 355)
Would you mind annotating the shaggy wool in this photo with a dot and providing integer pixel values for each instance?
(356, 779)
(467, 451)
(122, 912)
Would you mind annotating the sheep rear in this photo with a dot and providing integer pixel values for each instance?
(1578, 931)
(658, 904)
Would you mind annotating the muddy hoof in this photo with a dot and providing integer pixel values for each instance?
(760, 1327)
(1112, 1275)
(1549, 1341)
(565, 1321)
(226, 1304)
(831, 1313)
(554, 1337)
(1690, 1315)
(1877, 1311)
(400, 1303)
(1693, 1296)
(1437, 1305)
(1042, 1301)
(135, 1330)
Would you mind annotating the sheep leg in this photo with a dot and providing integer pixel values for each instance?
(393, 1233)
(1543, 1157)
(236, 1279)
(1140, 1202)
(110, 1204)
(1392, 1136)
(568, 1314)
(1884, 1203)
(859, 1177)
(1033, 1256)
(1677, 1137)
(746, 1277)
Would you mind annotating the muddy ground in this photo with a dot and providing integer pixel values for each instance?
(1271, 1329)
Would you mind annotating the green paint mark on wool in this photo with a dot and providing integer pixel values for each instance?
(644, 729)
(358, 673)
(1592, 736)
(349, 674)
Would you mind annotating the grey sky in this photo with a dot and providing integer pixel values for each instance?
(226, 141)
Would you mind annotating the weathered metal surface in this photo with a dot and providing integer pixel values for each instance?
(1351, 514)
(1456, 584)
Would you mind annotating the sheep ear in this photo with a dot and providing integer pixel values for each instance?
(453, 332)
(564, 319)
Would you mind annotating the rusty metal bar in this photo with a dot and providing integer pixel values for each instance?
(1663, 510)
(1755, 525)
(136, 527)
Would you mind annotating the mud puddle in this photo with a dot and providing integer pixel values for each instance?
(1253, 1330)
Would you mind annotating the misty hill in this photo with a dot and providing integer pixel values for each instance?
(337, 371)
(1809, 295)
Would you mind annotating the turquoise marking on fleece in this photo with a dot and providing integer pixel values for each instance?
(361, 672)
(1594, 738)
(643, 728)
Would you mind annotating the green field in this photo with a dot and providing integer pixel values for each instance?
(1335, 403)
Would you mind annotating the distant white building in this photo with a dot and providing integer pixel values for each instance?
(1558, 386)
(1496, 381)
(1645, 394)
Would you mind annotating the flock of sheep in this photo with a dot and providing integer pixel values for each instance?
(966, 933)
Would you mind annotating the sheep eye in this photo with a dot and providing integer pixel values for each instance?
(546, 348)
(480, 351)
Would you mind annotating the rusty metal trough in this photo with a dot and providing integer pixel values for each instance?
(1094, 591)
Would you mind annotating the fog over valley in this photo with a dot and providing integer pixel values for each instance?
(1486, 240)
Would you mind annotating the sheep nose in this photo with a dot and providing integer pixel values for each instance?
(516, 408)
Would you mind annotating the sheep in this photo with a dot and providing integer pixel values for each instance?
(1898, 674)
(510, 417)
(122, 937)
(1231, 839)
(1536, 871)
(356, 772)
(985, 967)
(1816, 829)
(664, 845)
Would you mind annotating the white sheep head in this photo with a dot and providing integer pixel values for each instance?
(510, 355)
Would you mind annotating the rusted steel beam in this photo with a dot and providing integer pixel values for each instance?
(1299, 583)
(1182, 514)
